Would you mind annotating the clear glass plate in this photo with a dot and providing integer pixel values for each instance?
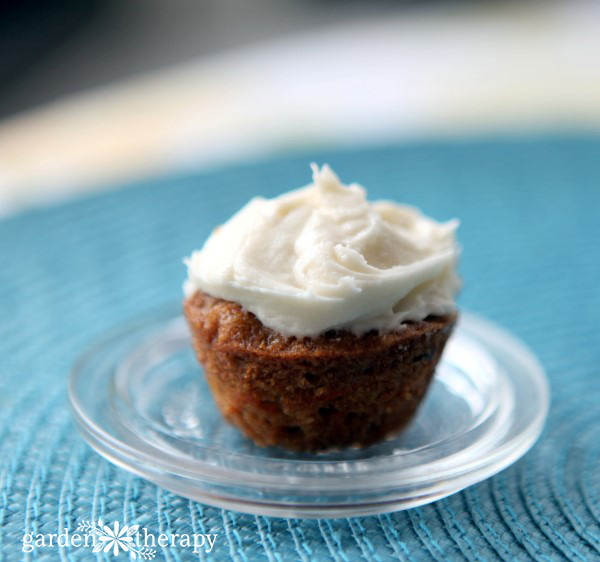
(140, 399)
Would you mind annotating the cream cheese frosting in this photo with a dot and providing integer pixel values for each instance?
(323, 257)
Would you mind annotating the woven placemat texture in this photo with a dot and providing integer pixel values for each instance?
(530, 232)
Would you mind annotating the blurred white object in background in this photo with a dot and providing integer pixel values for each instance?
(455, 70)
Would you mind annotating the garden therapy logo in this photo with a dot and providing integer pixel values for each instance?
(115, 539)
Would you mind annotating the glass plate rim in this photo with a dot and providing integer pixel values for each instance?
(508, 452)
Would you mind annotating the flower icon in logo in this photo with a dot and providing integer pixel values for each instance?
(118, 537)
(115, 538)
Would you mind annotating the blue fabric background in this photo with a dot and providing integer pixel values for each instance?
(530, 212)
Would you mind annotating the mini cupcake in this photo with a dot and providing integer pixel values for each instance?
(319, 318)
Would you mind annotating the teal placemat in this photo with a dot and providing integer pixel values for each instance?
(530, 212)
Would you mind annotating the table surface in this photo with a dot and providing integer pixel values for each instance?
(530, 231)
(416, 70)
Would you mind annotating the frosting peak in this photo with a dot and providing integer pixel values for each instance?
(323, 257)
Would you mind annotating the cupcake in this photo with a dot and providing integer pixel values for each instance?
(319, 317)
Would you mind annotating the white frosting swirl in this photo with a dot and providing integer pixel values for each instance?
(323, 257)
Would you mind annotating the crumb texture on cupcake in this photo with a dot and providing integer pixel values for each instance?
(334, 390)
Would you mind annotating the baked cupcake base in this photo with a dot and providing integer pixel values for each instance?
(310, 394)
